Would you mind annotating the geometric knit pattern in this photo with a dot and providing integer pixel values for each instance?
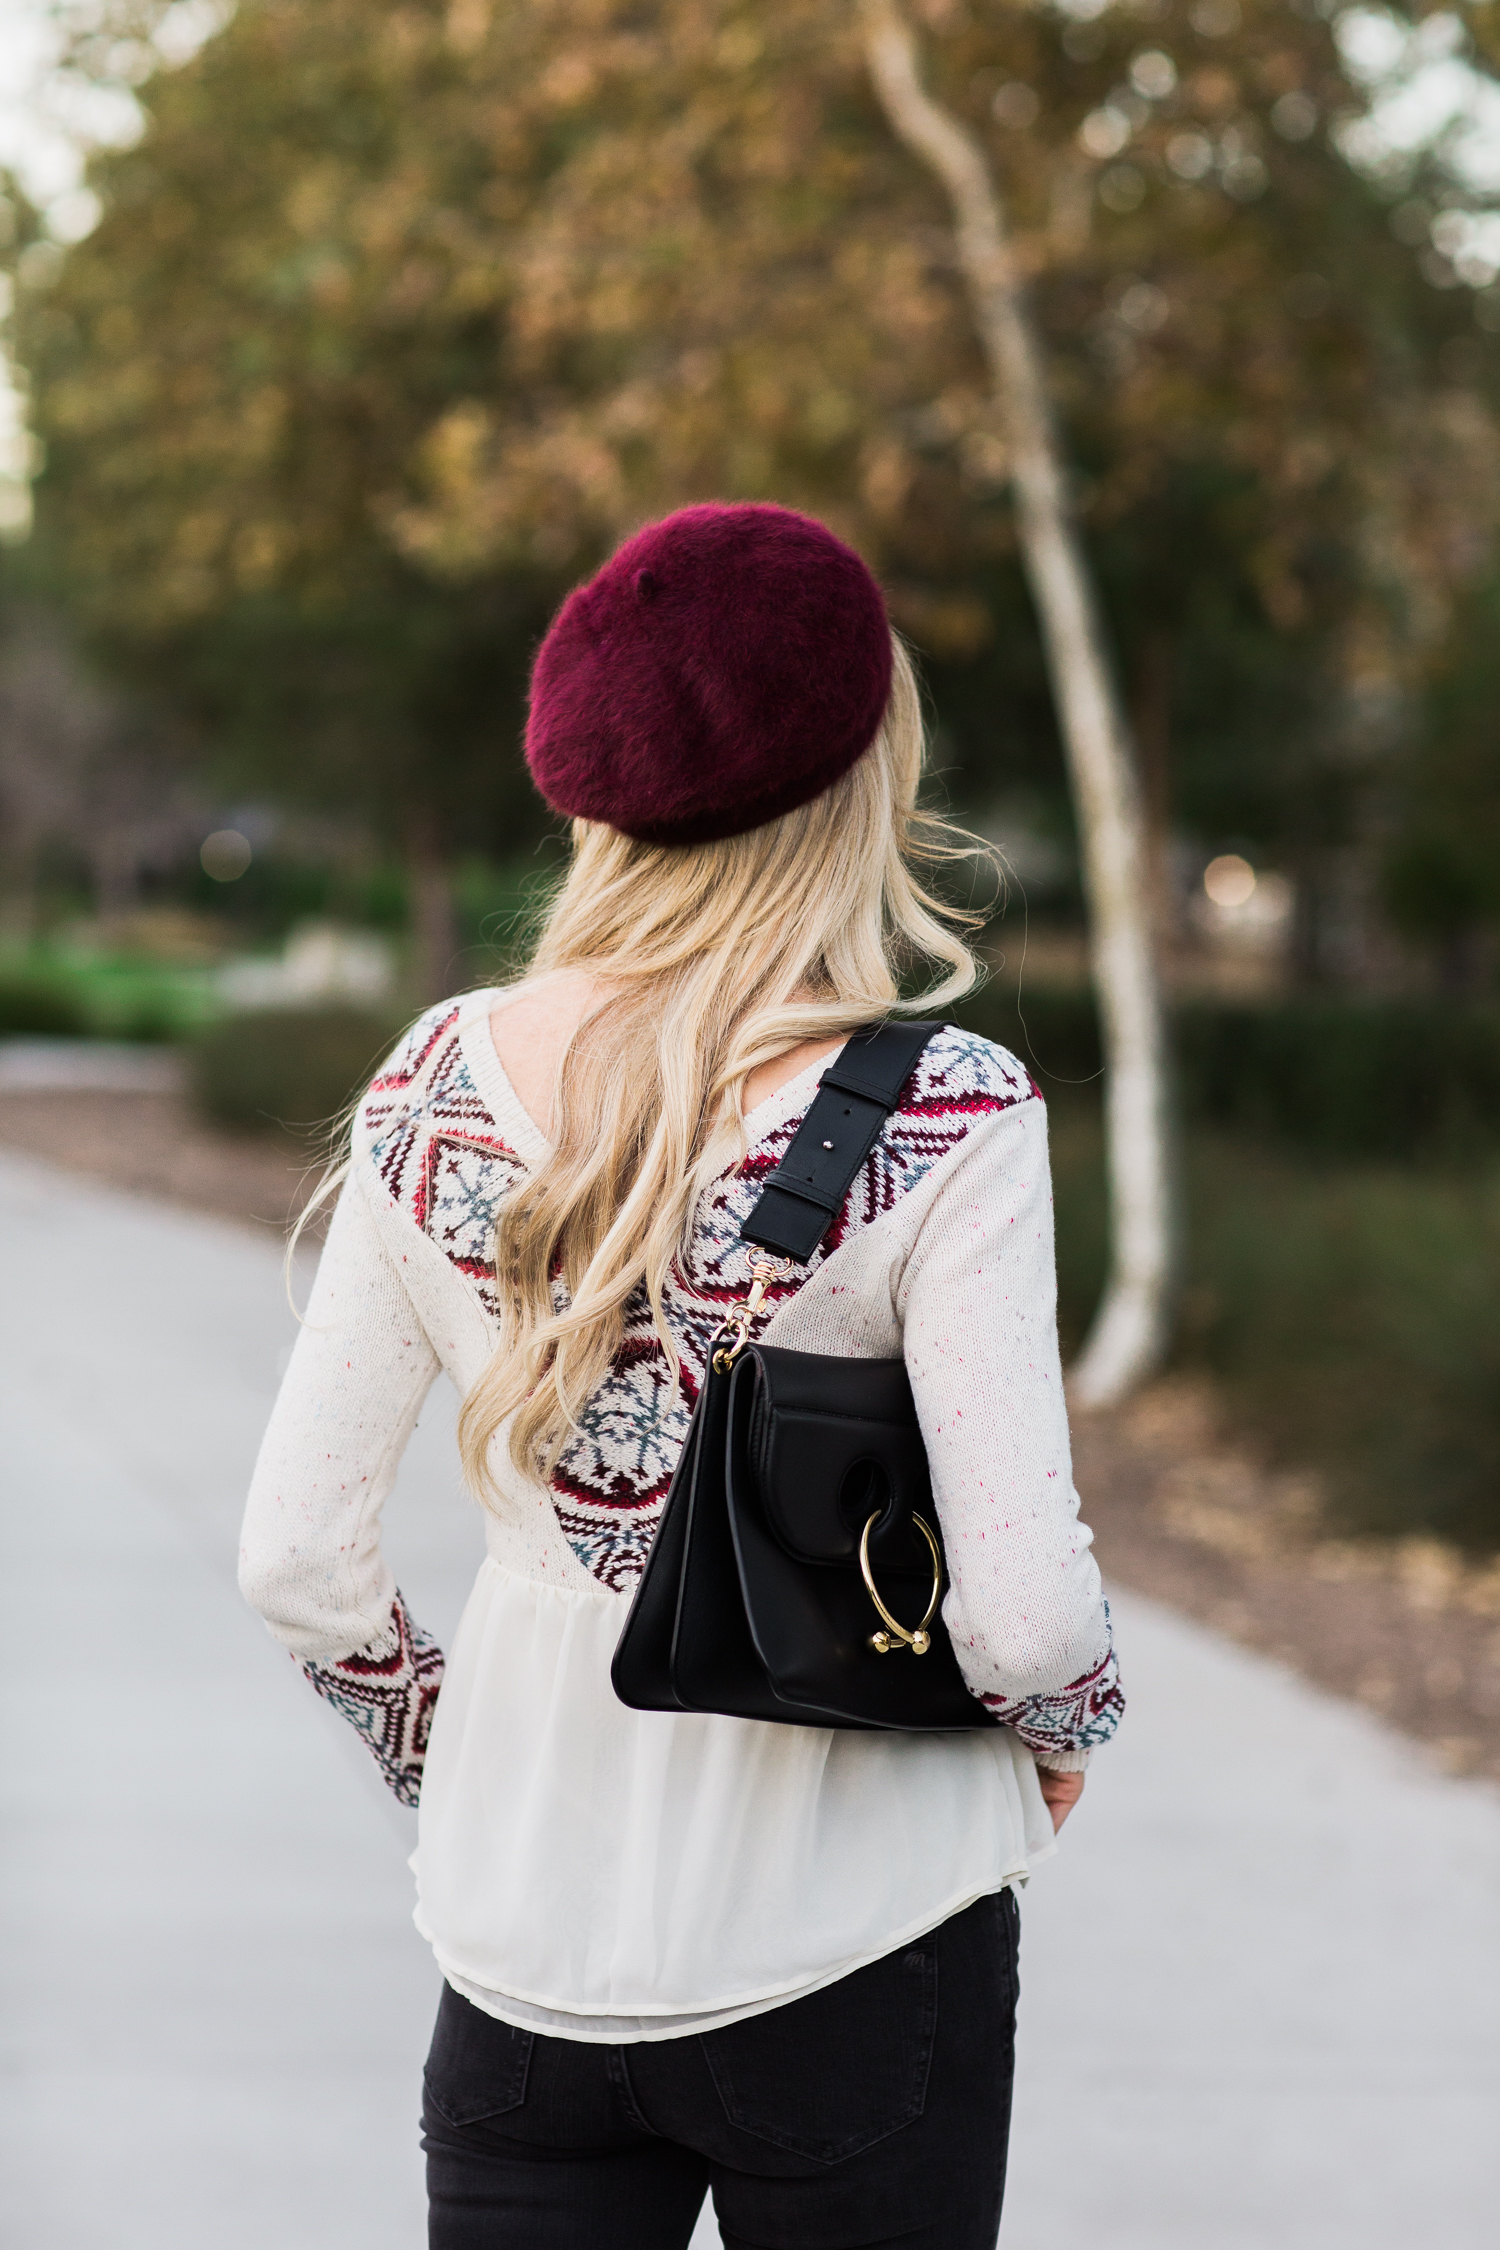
(444, 1161)
(1081, 1717)
(611, 1482)
(388, 1692)
(439, 1152)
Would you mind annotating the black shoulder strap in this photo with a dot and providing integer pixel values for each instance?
(855, 1096)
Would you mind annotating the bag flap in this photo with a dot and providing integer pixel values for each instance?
(828, 1443)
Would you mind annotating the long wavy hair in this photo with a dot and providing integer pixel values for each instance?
(709, 959)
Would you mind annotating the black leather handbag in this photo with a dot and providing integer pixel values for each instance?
(797, 1571)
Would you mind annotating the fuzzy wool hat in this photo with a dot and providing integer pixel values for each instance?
(726, 664)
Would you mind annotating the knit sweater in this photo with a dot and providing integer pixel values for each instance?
(942, 1254)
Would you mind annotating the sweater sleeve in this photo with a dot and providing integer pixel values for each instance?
(1025, 1608)
(310, 1556)
(388, 1691)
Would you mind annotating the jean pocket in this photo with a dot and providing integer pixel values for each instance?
(476, 2066)
(829, 2075)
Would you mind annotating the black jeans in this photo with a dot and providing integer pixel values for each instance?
(873, 2113)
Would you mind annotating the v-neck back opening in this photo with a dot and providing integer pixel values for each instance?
(509, 1111)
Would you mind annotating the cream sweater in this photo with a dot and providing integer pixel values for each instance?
(547, 1806)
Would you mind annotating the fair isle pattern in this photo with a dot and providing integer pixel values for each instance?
(444, 1161)
(439, 1154)
(611, 1483)
(388, 1691)
(1084, 1715)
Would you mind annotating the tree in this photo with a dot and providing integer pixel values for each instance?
(399, 314)
(89, 777)
(230, 374)
(53, 725)
(1442, 857)
(1132, 1327)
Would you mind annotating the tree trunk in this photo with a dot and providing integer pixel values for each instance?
(434, 927)
(1131, 1327)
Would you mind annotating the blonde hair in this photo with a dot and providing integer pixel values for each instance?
(713, 958)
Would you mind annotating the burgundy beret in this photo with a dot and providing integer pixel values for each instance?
(726, 664)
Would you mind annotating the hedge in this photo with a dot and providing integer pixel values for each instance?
(1337, 1075)
(101, 997)
(288, 1066)
(31, 1007)
(1349, 1313)
(1334, 1076)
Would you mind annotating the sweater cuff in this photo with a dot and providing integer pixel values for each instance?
(1063, 1761)
(387, 1691)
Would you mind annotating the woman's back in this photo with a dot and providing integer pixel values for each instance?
(545, 1199)
(533, 1028)
(605, 1908)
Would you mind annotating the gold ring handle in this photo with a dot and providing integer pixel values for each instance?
(919, 1640)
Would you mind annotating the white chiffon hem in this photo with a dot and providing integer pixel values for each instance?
(616, 2030)
(614, 1875)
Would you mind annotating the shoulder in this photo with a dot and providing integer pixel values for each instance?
(961, 1079)
(434, 1030)
(426, 1137)
(426, 1056)
(959, 1088)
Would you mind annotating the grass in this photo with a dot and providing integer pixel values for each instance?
(103, 995)
(1350, 1312)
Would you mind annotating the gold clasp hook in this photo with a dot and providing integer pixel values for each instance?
(764, 1269)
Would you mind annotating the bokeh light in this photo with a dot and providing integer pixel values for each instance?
(225, 855)
(1229, 880)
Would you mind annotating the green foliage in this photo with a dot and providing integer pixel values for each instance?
(1233, 706)
(280, 889)
(1442, 866)
(1053, 1030)
(1352, 1317)
(131, 999)
(288, 1066)
(102, 996)
(1336, 1077)
(36, 1007)
(274, 893)
(498, 909)
(1440, 880)
(1391, 1078)
(232, 374)
(396, 316)
(1356, 1314)
(1234, 698)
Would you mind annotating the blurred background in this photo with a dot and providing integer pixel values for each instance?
(341, 339)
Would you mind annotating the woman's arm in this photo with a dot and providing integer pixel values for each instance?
(1025, 1608)
(388, 1691)
(310, 1556)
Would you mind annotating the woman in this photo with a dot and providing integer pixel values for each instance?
(680, 1951)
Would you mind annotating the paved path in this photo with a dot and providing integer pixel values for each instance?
(1262, 1984)
(89, 1066)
